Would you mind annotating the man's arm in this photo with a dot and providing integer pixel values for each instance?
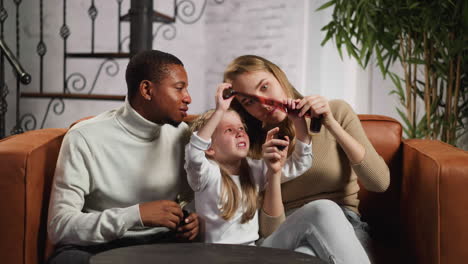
(67, 223)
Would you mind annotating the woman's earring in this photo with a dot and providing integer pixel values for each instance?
(148, 98)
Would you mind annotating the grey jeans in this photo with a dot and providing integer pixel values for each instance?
(361, 229)
(319, 228)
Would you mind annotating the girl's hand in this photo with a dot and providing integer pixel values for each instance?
(317, 105)
(273, 157)
(221, 103)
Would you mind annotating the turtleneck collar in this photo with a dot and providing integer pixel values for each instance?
(136, 124)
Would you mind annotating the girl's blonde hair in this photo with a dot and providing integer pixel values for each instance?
(230, 201)
(251, 63)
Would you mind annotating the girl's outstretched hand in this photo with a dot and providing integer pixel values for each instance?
(272, 155)
(221, 103)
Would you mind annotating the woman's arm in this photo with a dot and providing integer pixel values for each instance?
(318, 105)
(353, 149)
(273, 203)
(372, 171)
(341, 121)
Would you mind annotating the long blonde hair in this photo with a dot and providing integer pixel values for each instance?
(229, 199)
(251, 63)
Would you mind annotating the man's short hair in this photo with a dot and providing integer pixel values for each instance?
(148, 65)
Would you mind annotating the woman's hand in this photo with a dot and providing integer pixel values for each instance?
(316, 105)
(291, 105)
(221, 103)
(272, 155)
(302, 132)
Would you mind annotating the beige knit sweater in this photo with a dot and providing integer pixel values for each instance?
(332, 176)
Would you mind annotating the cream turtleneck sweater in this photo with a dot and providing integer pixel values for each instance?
(107, 166)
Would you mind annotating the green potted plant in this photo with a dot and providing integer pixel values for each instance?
(430, 41)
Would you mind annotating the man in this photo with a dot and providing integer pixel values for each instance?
(118, 174)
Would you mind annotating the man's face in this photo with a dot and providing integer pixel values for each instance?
(170, 98)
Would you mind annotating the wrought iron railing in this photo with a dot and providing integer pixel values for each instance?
(22, 76)
(75, 84)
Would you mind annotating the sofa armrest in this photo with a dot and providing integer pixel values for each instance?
(434, 201)
(27, 164)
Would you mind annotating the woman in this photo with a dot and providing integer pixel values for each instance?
(342, 151)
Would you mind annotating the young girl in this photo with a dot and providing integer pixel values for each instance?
(226, 182)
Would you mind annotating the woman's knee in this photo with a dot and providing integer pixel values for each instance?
(322, 209)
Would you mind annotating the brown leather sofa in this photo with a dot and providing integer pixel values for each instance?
(422, 218)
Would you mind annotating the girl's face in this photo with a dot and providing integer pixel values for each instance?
(230, 141)
(262, 83)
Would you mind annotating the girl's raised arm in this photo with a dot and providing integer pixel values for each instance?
(222, 105)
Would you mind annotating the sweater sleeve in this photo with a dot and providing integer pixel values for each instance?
(298, 162)
(372, 171)
(67, 224)
(268, 224)
(196, 165)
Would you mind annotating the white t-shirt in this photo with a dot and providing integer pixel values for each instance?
(204, 176)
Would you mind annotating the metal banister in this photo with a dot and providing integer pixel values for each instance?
(24, 77)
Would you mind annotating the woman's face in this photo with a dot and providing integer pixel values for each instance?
(260, 83)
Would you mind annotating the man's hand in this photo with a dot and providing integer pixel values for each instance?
(190, 228)
(161, 213)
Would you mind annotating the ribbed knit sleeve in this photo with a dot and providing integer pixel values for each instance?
(268, 224)
(372, 171)
(332, 176)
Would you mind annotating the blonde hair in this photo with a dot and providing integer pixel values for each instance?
(230, 201)
(251, 63)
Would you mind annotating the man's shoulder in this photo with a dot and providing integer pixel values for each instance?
(95, 125)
